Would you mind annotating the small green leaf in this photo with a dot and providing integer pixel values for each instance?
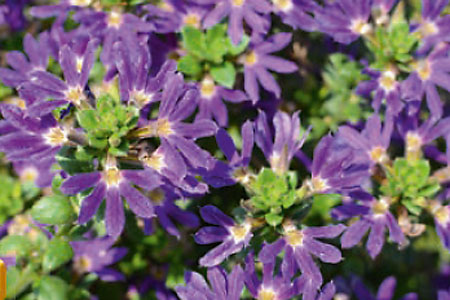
(189, 65)
(225, 74)
(273, 219)
(239, 48)
(58, 253)
(215, 40)
(67, 160)
(15, 245)
(88, 119)
(194, 41)
(53, 210)
(53, 288)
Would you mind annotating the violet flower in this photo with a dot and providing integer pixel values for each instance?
(9, 261)
(210, 104)
(178, 101)
(95, 256)
(223, 286)
(381, 9)
(76, 71)
(46, 11)
(39, 172)
(12, 14)
(374, 215)
(300, 245)
(233, 237)
(253, 12)
(167, 212)
(384, 86)
(373, 141)
(235, 170)
(136, 85)
(345, 20)
(433, 28)
(286, 142)
(429, 73)
(444, 294)
(297, 13)
(172, 15)
(335, 167)
(112, 184)
(36, 139)
(272, 286)
(257, 61)
(441, 214)
(385, 291)
(36, 58)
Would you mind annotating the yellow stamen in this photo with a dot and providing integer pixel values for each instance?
(423, 69)
(387, 81)
(240, 232)
(237, 2)
(442, 214)
(115, 19)
(251, 58)
(112, 176)
(428, 28)
(284, 5)
(378, 155)
(207, 88)
(82, 264)
(360, 27)
(155, 161)
(55, 136)
(192, 19)
(380, 207)
(75, 95)
(80, 2)
(317, 184)
(266, 294)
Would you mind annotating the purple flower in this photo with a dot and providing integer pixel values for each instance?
(39, 172)
(444, 295)
(381, 9)
(46, 11)
(23, 66)
(178, 102)
(167, 212)
(299, 246)
(428, 73)
(296, 13)
(223, 286)
(233, 237)
(373, 141)
(12, 13)
(433, 28)
(280, 149)
(223, 174)
(385, 291)
(257, 61)
(335, 168)
(136, 85)
(94, 256)
(254, 12)
(384, 86)
(36, 139)
(172, 15)
(345, 20)
(113, 184)
(374, 215)
(210, 104)
(272, 286)
(76, 71)
(416, 134)
(441, 214)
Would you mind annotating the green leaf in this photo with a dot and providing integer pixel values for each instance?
(53, 288)
(323, 203)
(225, 74)
(67, 160)
(53, 210)
(273, 219)
(194, 41)
(189, 65)
(58, 253)
(17, 281)
(88, 119)
(215, 40)
(239, 48)
(16, 245)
